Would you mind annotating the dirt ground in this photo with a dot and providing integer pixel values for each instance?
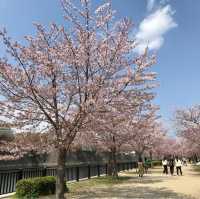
(188, 184)
(153, 185)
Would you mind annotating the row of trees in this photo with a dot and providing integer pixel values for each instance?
(187, 140)
(188, 130)
(79, 84)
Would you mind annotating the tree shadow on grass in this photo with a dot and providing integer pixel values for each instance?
(146, 179)
(194, 171)
(126, 192)
(195, 174)
(130, 172)
(150, 171)
(157, 171)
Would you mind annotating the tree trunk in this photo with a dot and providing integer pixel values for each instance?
(60, 180)
(139, 155)
(196, 157)
(151, 158)
(115, 169)
(109, 172)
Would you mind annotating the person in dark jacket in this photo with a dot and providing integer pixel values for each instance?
(171, 164)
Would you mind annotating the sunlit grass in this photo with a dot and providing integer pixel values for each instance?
(77, 187)
(132, 172)
(196, 168)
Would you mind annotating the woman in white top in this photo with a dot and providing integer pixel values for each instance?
(164, 163)
(178, 165)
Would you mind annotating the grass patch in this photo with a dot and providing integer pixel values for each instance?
(150, 171)
(156, 163)
(132, 172)
(86, 185)
(196, 168)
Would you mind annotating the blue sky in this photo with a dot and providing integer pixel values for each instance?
(171, 27)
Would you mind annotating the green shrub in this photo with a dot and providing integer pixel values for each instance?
(33, 187)
(25, 189)
(157, 163)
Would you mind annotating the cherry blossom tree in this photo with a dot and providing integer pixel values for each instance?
(6, 133)
(166, 147)
(144, 131)
(6, 136)
(22, 144)
(187, 123)
(110, 130)
(110, 134)
(174, 146)
(62, 76)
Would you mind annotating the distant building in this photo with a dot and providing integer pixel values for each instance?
(6, 132)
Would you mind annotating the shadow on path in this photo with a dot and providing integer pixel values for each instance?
(151, 186)
(125, 192)
(145, 180)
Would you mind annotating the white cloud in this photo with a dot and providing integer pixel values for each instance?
(150, 4)
(153, 28)
(164, 2)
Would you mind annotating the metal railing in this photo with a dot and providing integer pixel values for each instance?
(9, 177)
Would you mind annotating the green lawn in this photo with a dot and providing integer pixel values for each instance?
(77, 187)
(83, 186)
(196, 168)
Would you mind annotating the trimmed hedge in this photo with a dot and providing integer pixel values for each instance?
(34, 187)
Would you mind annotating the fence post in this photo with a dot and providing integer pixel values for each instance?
(1, 183)
(106, 169)
(89, 172)
(67, 173)
(98, 170)
(118, 167)
(77, 173)
(20, 174)
(44, 171)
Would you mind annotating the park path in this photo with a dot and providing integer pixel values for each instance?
(154, 185)
(188, 184)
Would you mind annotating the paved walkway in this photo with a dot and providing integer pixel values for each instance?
(152, 186)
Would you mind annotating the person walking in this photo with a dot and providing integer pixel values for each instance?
(184, 161)
(164, 163)
(178, 164)
(171, 165)
(140, 167)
